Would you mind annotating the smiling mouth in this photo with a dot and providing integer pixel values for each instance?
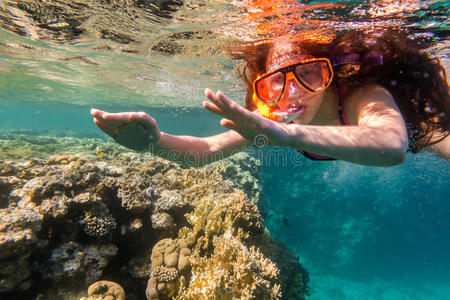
(293, 108)
(289, 114)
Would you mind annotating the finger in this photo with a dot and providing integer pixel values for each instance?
(214, 98)
(105, 128)
(117, 119)
(230, 103)
(228, 124)
(96, 113)
(144, 119)
(208, 93)
(212, 107)
(248, 115)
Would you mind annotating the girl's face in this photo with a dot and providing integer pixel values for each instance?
(282, 55)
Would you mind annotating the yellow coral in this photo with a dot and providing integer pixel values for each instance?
(233, 271)
(223, 267)
(215, 214)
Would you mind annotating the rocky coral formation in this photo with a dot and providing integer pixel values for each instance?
(170, 267)
(105, 290)
(73, 261)
(18, 240)
(70, 220)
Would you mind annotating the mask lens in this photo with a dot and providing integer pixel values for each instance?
(270, 88)
(314, 75)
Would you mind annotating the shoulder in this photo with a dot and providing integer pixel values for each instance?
(370, 99)
(441, 146)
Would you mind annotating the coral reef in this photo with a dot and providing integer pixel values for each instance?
(97, 226)
(170, 267)
(233, 271)
(68, 221)
(225, 264)
(242, 170)
(105, 290)
(72, 261)
(18, 240)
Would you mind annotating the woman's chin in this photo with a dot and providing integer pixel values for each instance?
(304, 118)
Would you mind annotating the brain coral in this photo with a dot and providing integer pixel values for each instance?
(170, 267)
(105, 290)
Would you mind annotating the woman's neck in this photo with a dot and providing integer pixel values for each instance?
(328, 111)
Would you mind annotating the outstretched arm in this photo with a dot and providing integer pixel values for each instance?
(379, 138)
(139, 131)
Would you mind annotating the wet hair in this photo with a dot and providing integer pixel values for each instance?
(416, 80)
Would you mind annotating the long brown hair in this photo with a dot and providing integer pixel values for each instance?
(416, 80)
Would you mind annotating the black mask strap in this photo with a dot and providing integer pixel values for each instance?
(354, 58)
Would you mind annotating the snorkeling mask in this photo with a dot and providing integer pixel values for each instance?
(313, 75)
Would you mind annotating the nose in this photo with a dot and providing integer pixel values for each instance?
(293, 89)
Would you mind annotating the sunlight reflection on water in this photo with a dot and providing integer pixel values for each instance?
(166, 55)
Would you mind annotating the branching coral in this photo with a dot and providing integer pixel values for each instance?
(215, 214)
(242, 170)
(98, 226)
(233, 271)
(224, 266)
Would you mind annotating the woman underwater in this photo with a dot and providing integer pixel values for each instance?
(366, 98)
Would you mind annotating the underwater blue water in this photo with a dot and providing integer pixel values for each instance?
(365, 232)
(77, 119)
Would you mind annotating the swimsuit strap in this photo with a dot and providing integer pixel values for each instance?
(341, 111)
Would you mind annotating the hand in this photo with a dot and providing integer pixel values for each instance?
(134, 130)
(251, 125)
